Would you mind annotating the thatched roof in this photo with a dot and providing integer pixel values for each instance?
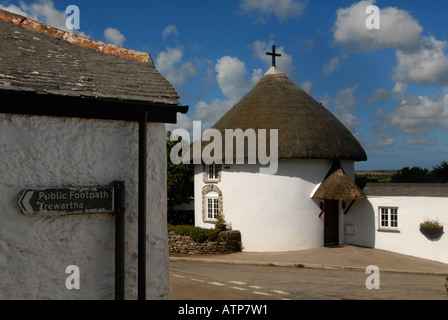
(306, 129)
(338, 186)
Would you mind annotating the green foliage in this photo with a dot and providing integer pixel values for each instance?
(438, 174)
(180, 177)
(196, 233)
(414, 174)
(220, 219)
(430, 224)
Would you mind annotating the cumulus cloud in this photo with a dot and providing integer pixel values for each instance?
(114, 36)
(419, 142)
(233, 80)
(282, 9)
(421, 59)
(170, 29)
(231, 77)
(398, 29)
(428, 64)
(307, 86)
(382, 143)
(15, 9)
(169, 63)
(345, 103)
(413, 115)
(333, 65)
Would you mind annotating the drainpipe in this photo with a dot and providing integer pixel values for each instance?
(120, 210)
(142, 174)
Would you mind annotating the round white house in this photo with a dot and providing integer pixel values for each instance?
(301, 204)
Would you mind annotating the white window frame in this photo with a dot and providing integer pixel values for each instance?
(388, 218)
(211, 206)
(212, 172)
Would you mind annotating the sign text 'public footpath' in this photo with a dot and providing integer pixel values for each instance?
(67, 201)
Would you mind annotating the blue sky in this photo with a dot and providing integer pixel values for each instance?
(388, 86)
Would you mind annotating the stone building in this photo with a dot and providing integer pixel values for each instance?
(76, 112)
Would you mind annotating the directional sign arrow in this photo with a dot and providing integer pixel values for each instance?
(25, 202)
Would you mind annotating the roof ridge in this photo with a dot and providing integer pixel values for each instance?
(75, 39)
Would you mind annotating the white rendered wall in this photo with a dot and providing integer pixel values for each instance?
(39, 152)
(272, 212)
(409, 240)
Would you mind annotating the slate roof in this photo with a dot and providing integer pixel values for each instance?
(306, 129)
(39, 58)
(407, 189)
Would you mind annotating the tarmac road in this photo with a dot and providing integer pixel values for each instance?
(196, 280)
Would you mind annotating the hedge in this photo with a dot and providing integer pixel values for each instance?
(196, 233)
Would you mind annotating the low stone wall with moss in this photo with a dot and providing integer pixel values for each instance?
(203, 242)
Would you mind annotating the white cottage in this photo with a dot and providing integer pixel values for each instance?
(302, 205)
(75, 112)
(390, 219)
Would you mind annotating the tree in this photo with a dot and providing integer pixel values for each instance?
(414, 174)
(180, 177)
(439, 173)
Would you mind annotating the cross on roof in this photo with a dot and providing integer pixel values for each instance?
(273, 54)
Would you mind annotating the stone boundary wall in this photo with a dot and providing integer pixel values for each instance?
(228, 242)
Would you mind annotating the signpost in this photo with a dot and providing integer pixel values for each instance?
(84, 200)
(67, 201)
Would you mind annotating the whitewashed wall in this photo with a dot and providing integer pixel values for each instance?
(409, 240)
(272, 212)
(39, 152)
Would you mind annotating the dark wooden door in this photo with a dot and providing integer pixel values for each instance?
(331, 223)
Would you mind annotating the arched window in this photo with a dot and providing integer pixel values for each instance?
(211, 203)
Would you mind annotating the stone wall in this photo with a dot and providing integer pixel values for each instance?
(228, 241)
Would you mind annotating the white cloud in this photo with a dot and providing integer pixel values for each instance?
(427, 65)
(210, 113)
(282, 9)
(114, 36)
(170, 29)
(398, 29)
(14, 9)
(419, 142)
(383, 142)
(333, 65)
(345, 102)
(421, 59)
(231, 77)
(234, 81)
(169, 63)
(307, 86)
(415, 114)
(397, 92)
